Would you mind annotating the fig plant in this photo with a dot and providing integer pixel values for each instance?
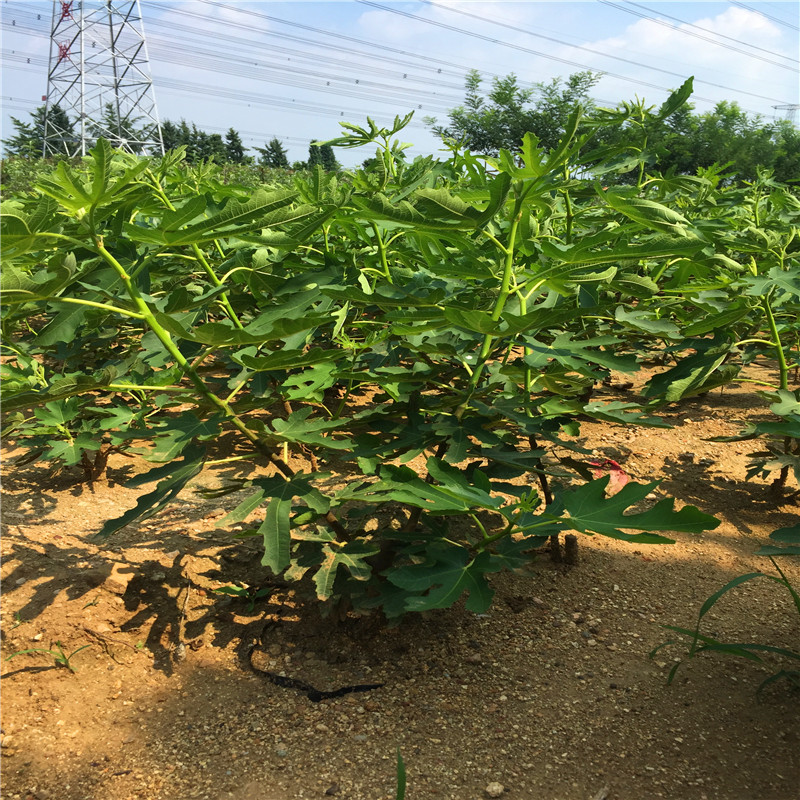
(409, 348)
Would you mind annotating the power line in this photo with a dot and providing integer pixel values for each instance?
(764, 14)
(723, 36)
(517, 29)
(513, 46)
(685, 32)
(243, 98)
(400, 94)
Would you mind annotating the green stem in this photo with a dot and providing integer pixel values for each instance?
(500, 302)
(382, 252)
(757, 341)
(230, 459)
(641, 164)
(135, 387)
(569, 212)
(780, 355)
(103, 306)
(200, 256)
(480, 526)
(166, 340)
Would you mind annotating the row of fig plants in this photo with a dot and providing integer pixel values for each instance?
(410, 348)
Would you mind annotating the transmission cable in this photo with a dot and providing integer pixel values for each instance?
(534, 52)
(588, 49)
(764, 14)
(685, 32)
(719, 35)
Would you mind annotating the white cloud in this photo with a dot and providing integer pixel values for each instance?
(673, 47)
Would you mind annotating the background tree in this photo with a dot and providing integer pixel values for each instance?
(234, 148)
(116, 130)
(213, 148)
(28, 140)
(323, 155)
(500, 119)
(273, 155)
(682, 141)
(170, 135)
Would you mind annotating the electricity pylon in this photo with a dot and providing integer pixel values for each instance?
(790, 111)
(98, 79)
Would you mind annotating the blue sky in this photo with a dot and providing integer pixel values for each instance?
(295, 69)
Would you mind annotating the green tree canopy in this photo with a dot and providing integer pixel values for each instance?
(234, 148)
(273, 155)
(323, 155)
(28, 140)
(498, 120)
(120, 132)
(680, 141)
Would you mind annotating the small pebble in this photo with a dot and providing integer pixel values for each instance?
(495, 789)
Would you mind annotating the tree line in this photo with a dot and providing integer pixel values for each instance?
(28, 141)
(682, 142)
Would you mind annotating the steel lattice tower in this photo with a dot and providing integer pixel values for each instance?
(790, 111)
(99, 76)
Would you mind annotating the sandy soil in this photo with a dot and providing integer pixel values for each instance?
(549, 696)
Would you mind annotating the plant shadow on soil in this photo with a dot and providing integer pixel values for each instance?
(215, 729)
(518, 695)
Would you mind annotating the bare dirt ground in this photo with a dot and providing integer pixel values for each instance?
(549, 696)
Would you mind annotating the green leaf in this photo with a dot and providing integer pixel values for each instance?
(178, 474)
(262, 210)
(173, 221)
(578, 355)
(648, 213)
(403, 485)
(789, 539)
(440, 205)
(19, 286)
(694, 374)
(298, 428)
(281, 488)
(61, 388)
(647, 321)
(590, 511)
(171, 435)
(310, 384)
(275, 530)
(445, 575)
(71, 452)
(221, 334)
(676, 99)
(787, 404)
(603, 248)
(716, 322)
(287, 359)
(352, 556)
(625, 413)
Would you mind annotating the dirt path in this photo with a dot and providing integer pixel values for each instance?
(551, 695)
